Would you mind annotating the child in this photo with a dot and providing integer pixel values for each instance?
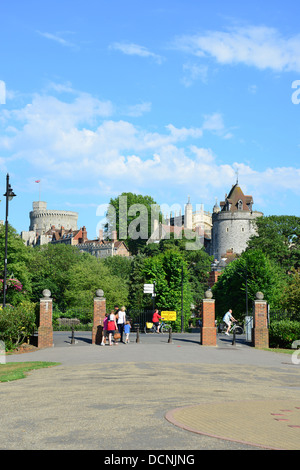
(127, 331)
(104, 330)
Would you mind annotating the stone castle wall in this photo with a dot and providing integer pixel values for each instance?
(42, 219)
(231, 231)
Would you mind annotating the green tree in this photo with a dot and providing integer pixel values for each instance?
(169, 270)
(261, 273)
(119, 266)
(130, 216)
(17, 265)
(136, 281)
(198, 263)
(291, 293)
(50, 265)
(199, 266)
(279, 238)
(73, 277)
(89, 275)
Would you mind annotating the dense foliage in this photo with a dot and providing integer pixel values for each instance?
(131, 216)
(256, 272)
(283, 333)
(17, 324)
(271, 264)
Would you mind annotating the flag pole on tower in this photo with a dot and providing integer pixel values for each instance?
(39, 181)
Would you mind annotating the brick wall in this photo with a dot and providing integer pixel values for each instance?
(208, 330)
(260, 329)
(99, 314)
(45, 330)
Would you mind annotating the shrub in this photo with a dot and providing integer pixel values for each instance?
(17, 324)
(282, 333)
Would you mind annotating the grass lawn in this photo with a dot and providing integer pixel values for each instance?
(18, 370)
(278, 350)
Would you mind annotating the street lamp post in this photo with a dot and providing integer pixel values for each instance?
(9, 195)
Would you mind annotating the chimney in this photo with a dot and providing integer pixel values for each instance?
(84, 234)
(114, 235)
(100, 235)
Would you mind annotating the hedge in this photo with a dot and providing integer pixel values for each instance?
(17, 324)
(282, 333)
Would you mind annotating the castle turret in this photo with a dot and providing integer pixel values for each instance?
(233, 224)
(188, 216)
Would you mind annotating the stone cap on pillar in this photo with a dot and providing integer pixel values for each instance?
(259, 296)
(208, 294)
(46, 294)
(99, 294)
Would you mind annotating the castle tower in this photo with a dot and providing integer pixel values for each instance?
(42, 219)
(188, 216)
(233, 224)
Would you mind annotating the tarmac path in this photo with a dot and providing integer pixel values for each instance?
(153, 395)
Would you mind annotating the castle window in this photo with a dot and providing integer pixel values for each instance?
(240, 205)
(227, 229)
(242, 229)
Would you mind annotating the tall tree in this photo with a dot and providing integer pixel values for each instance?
(17, 264)
(131, 216)
(250, 273)
(170, 272)
(291, 294)
(279, 238)
(198, 263)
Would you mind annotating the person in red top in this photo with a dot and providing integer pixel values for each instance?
(155, 319)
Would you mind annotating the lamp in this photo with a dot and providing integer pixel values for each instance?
(9, 196)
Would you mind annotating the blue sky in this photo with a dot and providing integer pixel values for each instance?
(162, 98)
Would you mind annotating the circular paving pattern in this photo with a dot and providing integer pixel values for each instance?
(273, 424)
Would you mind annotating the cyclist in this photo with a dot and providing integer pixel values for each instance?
(155, 320)
(228, 319)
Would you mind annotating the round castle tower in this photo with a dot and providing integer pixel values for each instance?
(233, 223)
(42, 219)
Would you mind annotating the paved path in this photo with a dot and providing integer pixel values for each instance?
(153, 395)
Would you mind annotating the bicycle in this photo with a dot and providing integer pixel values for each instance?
(164, 327)
(238, 330)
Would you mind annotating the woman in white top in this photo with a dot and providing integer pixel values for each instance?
(121, 321)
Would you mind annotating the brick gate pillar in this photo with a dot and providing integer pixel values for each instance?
(45, 329)
(99, 314)
(260, 322)
(208, 330)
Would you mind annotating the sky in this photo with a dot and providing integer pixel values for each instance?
(171, 99)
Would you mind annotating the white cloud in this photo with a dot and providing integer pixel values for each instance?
(77, 142)
(56, 38)
(259, 46)
(136, 50)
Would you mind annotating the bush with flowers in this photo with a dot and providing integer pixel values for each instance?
(12, 283)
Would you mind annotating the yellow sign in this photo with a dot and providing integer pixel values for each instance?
(168, 316)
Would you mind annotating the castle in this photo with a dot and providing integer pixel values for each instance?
(54, 226)
(225, 232)
(42, 220)
(232, 223)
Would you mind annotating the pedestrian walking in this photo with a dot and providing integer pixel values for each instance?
(104, 331)
(127, 331)
(121, 321)
(111, 326)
